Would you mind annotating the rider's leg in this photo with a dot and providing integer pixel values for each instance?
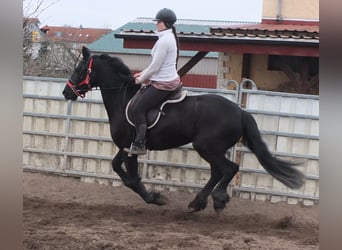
(150, 97)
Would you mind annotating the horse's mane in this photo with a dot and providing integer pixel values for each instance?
(117, 64)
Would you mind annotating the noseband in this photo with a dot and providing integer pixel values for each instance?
(86, 81)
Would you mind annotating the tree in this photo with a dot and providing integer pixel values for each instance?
(32, 35)
(33, 8)
(42, 57)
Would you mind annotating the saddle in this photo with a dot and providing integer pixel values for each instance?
(154, 114)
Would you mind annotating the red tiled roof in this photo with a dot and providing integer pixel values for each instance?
(71, 34)
(279, 30)
(28, 20)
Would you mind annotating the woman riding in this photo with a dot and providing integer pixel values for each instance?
(161, 76)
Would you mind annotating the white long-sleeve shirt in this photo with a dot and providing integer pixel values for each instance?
(164, 56)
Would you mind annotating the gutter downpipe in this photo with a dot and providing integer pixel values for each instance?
(279, 17)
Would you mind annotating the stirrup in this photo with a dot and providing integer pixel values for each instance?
(136, 149)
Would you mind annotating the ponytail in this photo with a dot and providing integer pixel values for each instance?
(177, 42)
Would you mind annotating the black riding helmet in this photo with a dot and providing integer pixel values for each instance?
(167, 16)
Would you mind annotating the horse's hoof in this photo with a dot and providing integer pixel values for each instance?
(220, 203)
(192, 210)
(160, 199)
(196, 207)
(218, 211)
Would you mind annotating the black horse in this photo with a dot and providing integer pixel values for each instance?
(212, 123)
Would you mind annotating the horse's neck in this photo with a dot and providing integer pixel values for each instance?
(115, 98)
(115, 102)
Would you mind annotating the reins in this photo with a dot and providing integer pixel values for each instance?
(112, 88)
(124, 86)
(86, 81)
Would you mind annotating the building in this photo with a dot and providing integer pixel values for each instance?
(280, 53)
(204, 74)
(32, 37)
(62, 45)
(79, 36)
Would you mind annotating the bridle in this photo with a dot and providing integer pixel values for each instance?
(86, 81)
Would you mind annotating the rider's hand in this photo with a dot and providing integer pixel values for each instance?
(136, 76)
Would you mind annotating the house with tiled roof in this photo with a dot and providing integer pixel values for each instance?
(61, 46)
(204, 74)
(80, 35)
(280, 53)
(32, 36)
(31, 29)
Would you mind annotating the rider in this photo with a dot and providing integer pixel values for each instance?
(161, 75)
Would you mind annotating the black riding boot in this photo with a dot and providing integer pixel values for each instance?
(138, 146)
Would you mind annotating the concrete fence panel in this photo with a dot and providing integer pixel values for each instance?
(289, 125)
(73, 138)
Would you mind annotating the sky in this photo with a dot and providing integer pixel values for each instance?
(113, 14)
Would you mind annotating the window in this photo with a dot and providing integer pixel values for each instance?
(58, 33)
(35, 36)
(296, 63)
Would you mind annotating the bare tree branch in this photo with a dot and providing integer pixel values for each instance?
(33, 8)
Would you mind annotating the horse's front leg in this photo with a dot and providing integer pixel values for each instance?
(131, 178)
(117, 166)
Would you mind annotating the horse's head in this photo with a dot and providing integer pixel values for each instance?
(79, 82)
(111, 74)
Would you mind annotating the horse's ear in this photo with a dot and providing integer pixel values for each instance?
(85, 53)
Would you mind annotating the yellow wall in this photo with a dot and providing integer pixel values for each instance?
(231, 65)
(291, 9)
(263, 78)
(234, 67)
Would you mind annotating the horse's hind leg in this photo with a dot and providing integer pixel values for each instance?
(220, 195)
(217, 162)
(222, 172)
(201, 199)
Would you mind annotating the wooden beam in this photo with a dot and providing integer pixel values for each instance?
(138, 43)
(265, 49)
(246, 66)
(191, 63)
(240, 48)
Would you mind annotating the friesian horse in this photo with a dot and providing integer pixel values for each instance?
(211, 122)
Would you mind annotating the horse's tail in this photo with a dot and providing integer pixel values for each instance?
(282, 170)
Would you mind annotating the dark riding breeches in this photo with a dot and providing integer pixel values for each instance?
(150, 97)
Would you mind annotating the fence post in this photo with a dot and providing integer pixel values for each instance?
(241, 100)
(238, 154)
(67, 133)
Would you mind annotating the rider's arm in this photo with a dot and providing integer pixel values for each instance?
(159, 53)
